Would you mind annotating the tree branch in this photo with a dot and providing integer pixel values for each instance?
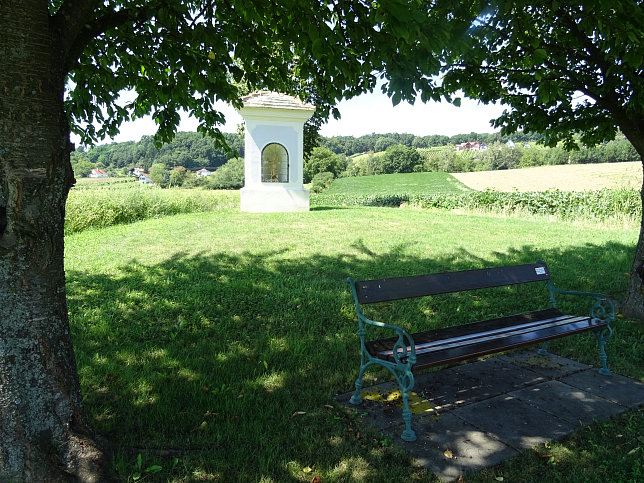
(594, 54)
(77, 25)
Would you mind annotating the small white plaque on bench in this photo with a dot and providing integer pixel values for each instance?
(540, 270)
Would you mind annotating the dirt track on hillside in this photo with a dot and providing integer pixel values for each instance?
(571, 177)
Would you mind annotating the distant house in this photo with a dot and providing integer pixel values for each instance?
(144, 178)
(469, 146)
(202, 172)
(510, 144)
(98, 173)
(136, 172)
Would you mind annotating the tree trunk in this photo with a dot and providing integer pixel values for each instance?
(44, 434)
(633, 306)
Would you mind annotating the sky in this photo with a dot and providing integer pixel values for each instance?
(365, 114)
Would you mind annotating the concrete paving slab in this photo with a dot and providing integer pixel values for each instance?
(616, 388)
(455, 387)
(572, 404)
(450, 446)
(476, 381)
(548, 366)
(386, 416)
(476, 415)
(511, 420)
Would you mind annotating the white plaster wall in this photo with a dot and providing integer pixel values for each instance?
(274, 199)
(265, 126)
(258, 135)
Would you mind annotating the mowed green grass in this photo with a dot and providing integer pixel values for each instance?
(396, 184)
(213, 343)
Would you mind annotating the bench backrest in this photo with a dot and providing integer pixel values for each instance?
(387, 289)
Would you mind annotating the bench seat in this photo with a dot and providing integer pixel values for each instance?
(453, 344)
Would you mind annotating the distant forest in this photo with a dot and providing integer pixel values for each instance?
(194, 151)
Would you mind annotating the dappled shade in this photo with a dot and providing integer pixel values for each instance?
(216, 352)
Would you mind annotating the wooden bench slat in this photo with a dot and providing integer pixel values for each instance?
(387, 289)
(443, 350)
(467, 352)
(497, 334)
(381, 345)
(476, 337)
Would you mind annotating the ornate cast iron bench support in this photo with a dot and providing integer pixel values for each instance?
(405, 353)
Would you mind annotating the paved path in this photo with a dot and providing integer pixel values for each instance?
(484, 412)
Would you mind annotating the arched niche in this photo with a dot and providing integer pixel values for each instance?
(274, 163)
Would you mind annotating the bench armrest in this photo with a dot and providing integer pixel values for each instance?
(602, 308)
(404, 350)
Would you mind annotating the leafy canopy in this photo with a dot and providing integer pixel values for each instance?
(176, 54)
(562, 67)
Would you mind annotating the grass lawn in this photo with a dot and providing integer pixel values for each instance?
(393, 184)
(212, 344)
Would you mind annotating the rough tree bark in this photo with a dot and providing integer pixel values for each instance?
(633, 305)
(44, 433)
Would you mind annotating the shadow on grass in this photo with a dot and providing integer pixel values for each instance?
(328, 208)
(231, 361)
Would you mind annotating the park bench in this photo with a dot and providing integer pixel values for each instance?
(405, 353)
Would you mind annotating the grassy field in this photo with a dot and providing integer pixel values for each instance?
(572, 177)
(616, 207)
(210, 345)
(409, 183)
(98, 203)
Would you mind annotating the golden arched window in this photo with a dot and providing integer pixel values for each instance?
(274, 164)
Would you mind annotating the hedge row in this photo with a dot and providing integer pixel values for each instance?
(598, 205)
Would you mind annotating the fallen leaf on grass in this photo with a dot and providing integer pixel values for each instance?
(201, 427)
(298, 413)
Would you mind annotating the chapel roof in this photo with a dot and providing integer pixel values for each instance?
(275, 100)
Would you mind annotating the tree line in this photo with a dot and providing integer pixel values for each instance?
(194, 151)
(350, 145)
(191, 150)
(172, 163)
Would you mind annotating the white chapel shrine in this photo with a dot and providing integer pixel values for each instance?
(273, 159)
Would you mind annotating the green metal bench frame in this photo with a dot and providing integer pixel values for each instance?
(406, 353)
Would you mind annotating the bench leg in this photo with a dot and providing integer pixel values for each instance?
(602, 338)
(356, 398)
(408, 434)
(406, 384)
(544, 349)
